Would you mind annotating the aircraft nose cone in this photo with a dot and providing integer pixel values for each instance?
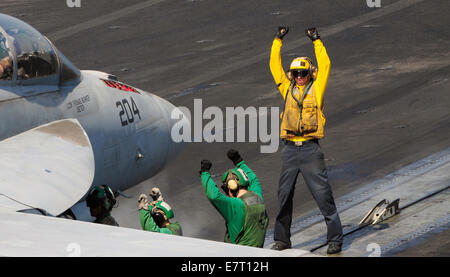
(178, 122)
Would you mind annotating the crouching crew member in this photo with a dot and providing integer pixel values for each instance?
(100, 201)
(242, 205)
(155, 216)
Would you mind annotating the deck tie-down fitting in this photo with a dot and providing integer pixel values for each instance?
(382, 211)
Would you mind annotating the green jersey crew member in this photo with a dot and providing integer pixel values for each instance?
(242, 207)
(100, 201)
(155, 217)
(302, 125)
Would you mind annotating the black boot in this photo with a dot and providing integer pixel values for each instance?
(334, 248)
(279, 246)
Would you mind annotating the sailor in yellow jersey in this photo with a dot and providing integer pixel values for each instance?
(302, 125)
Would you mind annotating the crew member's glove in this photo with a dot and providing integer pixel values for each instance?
(205, 166)
(143, 202)
(156, 194)
(234, 156)
(282, 31)
(312, 33)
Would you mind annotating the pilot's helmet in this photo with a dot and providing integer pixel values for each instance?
(3, 47)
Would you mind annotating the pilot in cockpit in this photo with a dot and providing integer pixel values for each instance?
(6, 62)
(6, 68)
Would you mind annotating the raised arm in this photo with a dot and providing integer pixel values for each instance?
(223, 204)
(254, 184)
(276, 67)
(323, 64)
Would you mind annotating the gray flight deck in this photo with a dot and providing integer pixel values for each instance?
(423, 190)
(387, 101)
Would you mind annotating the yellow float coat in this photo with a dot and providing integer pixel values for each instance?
(313, 102)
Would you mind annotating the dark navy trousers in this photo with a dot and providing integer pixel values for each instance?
(307, 159)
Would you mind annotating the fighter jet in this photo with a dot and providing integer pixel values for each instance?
(65, 130)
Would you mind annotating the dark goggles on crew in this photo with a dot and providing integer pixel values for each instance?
(300, 73)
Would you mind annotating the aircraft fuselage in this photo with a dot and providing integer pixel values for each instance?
(129, 129)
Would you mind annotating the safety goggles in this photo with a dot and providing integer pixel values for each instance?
(300, 73)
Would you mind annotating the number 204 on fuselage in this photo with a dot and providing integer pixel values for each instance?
(128, 129)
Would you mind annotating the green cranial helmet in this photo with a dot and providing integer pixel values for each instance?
(101, 195)
(241, 175)
(165, 208)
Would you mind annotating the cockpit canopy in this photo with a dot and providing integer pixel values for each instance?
(28, 57)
